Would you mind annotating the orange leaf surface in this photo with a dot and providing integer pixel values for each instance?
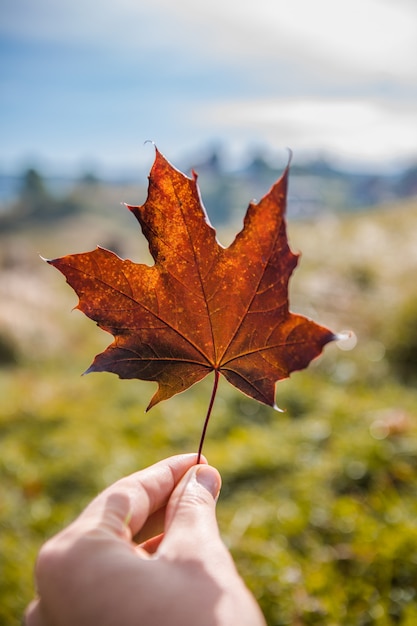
(201, 307)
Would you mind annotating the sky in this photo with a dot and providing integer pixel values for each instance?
(84, 84)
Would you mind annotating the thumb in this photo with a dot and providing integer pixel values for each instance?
(190, 522)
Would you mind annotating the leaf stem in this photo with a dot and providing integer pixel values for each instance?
(210, 406)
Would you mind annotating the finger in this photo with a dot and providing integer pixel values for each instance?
(191, 525)
(33, 615)
(153, 526)
(129, 502)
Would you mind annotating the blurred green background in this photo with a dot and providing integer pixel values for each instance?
(319, 503)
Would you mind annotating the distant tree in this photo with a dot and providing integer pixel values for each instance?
(35, 203)
(34, 199)
(89, 179)
(33, 183)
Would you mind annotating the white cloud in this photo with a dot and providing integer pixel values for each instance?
(356, 129)
(363, 36)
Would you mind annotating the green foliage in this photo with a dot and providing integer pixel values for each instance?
(402, 342)
(8, 351)
(319, 503)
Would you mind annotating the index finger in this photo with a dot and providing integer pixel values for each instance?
(147, 491)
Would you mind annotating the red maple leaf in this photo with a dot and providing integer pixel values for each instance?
(201, 307)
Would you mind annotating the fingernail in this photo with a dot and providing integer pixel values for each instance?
(209, 479)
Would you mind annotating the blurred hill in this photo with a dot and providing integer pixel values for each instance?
(315, 187)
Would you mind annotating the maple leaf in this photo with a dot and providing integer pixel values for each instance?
(201, 307)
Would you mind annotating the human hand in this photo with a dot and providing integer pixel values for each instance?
(93, 573)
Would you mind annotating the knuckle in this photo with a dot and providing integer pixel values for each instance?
(53, 554)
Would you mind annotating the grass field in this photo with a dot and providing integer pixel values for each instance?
(319, 503)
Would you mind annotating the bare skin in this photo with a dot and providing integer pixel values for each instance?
(180, 573)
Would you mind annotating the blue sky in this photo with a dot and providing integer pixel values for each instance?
(85, 84)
